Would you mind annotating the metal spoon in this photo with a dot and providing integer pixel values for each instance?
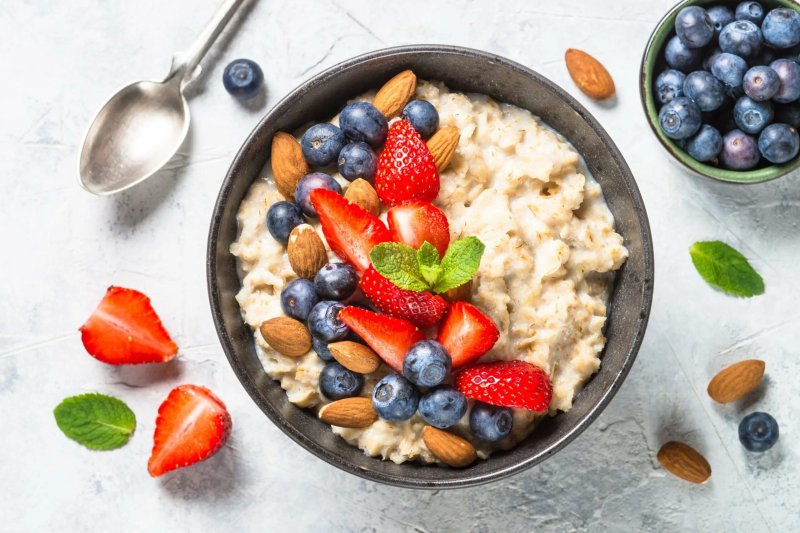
(142, 126)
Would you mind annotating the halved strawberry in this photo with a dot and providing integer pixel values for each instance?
(389, 337)
(351, 231)
(507, 384)
(125, 330)
(421, 308)
(467, 333)
(406, 170)
(192, 425)
(415, 222)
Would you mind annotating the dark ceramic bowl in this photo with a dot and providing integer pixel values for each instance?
(653, 63)
(465, 70)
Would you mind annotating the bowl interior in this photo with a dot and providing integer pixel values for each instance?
(464, 70)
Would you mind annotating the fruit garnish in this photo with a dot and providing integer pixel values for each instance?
(726, 268)
(96, 421)
(507, 384)
(406, 169)
(758, 432)
(421, 308)
(389, 337)
(415, 222)
(466, 333)
(243, 78)
(125, 330)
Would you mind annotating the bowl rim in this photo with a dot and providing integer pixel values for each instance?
(467, 480)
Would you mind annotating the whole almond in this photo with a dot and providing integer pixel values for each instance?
(442, 146)
(395, 93)
(288, 164)
(589, 75)
(462, 293)
(684, 461)
(349, 413)
(286, 335)
(361, 193)
(735, 381)
(450, 449)
(354, 356)
(306, 252)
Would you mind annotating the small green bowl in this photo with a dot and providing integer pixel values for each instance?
(653, 63)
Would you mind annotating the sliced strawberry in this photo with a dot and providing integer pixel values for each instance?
(415, 222)
(406, 170)
(192, 425)
(125, 330)
(389, 337)
(467, 333)
(351, 231)
(422, 309)
(507, 384)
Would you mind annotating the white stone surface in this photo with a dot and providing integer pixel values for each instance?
(61, 60)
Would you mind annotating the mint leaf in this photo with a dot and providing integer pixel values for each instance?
(428, 261)
(398, 263)
(725, 268)
(460, 263)
(97, 421)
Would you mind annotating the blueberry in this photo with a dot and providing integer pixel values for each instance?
(489, 422)
(710, 57)
(694, 27)
(361, 121)
(789, 74)
(422, 116)
(310, 182)
(742, 38)
(321, 144)
(324, 323)
(752, 116)
(761, 83)
(720, 17)
(729, 69)
(321, 347)
(336, 281)
(357, 160)
(442, 407)
(395, 398)
(426, 364)
(706, 145)
(779, 143)
(669, 85)
(242, 78)
(681, 57)
(758, 432)
(282, 218)
(781, 28)
(751, 11)
(336, 382)
(298, 298)
(706, 90)
(739, 151)
(680, 118)
(788, 114)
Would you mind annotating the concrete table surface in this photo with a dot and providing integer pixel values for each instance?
(62, 60)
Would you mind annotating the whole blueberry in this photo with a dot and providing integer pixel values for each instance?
(311, 182)
(758, 432)
(669, 85)
(720, 17)
(680, 118)
(282, 218)
(788, 114)
(489, 422)
(357, 160)
(426, 364)
(779, 143)
(321, 144)
(781, 28)
(694, 27)
(706, 145)
(742, 38)
(789, 74)
(321, 347)
(706, 90)
(681, 57)
(443, 406)
(739, 151)
(422, 116)
(752, 116)
(395, 398)
(761, 83)
(336, 382)
(729, 69)
(242, 78)
(361, 121)
(298, 297)
(709, 57)
(751, 11)
(336, 281)
(324, 322)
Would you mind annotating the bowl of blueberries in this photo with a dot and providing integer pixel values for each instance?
(720, 85)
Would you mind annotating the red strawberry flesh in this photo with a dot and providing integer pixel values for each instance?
(406, 169)
(507, 384)
(421, 308)
(415, 222)
(467, 333)
(389, 337)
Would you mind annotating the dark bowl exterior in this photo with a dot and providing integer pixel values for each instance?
(465, 70)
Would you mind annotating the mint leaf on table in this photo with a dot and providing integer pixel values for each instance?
(428, 261)
(398, 263)
(726, 268)
(96, 421)
(460, 263)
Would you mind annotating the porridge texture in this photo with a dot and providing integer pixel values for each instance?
(545, 276)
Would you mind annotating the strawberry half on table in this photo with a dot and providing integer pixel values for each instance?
(507, 384)
(421, 308)
(406, 169)
(389, 337)
(466, 333)
(415, 222)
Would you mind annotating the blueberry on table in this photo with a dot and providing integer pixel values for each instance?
(742, 38)
(336, 281)
(680, 118)
(669, 85)
(751, 11)
(324, 322)
(395, 398)
(694, 27)
(336, 382)
(490, 423)
(739, 151)
(789, 73)
(422, 116)
(752, 116)
(758, 432)
(361, 121)
(761, 83)
(704, 89)
(427, 364)
(788, 114)
(321, 144)
(282, 218)
(311, 182)
(443, 406)
(729, 69)
(720, 16)
(357, 160)
(706, 145)
(779, 143)
(681, 57)
(242, 78)
(298, 297)
(781, 28)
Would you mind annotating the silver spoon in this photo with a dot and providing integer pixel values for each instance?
(142, 126)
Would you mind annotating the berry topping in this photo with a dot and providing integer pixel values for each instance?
(416, 222)
(321, 348)
(336, 382)
(336, 281)
(758, 432)
(490, 423)
(325, 323)
(467, 334)
(406, 169)
(421, 308)
(321, 144)
(357, 160)
(361, 121)
(390, 337)
(310, 183)
(243, 78)
(442, 407)
(422, 116)
(507, 384)
(298, 297)
(282, 218)
(395, 398)
(427, 364)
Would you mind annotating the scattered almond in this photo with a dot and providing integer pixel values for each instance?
(395, 93)
(684, 461)
(589, 75)
(450, 449)
(349, 413)
(354, 356)
(306, 252)
(735, 381)
(442, 146)
(462, 293)
(361, 193)
(288, 164)
(286, 335)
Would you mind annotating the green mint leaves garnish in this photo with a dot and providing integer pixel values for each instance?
(725, 268)
(421, 270)
(97, 421)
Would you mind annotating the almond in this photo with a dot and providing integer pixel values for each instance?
(354, 356)
(462, 293)
(306, 252)
(589, 75)
(684, 461)
(442, 146)
(349, 413)
(288, 164)
(361, 193)
(735, 381)
(286, 335)
(450, 449)
(395, 93)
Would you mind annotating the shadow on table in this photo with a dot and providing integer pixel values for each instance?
(214, 479)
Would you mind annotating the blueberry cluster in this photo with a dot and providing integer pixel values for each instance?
(730, 93)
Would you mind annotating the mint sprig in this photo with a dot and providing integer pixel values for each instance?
(96, 421)
(726, 268)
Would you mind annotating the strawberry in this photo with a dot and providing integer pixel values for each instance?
(406, 170)
(192, 425)
(467, 333)
(507, 384)
(389, 337)
(421, 308)
(415, 222)
(351, 231)
(125, 330)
